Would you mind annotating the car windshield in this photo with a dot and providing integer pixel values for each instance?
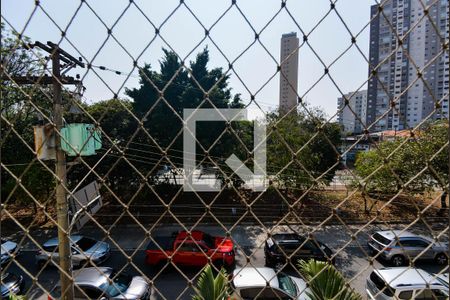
(8, 277)
(443, 281)
(209, 240)
(381, 285)
(381, 239)
(287, 285)
(119, 285)
(85, 243)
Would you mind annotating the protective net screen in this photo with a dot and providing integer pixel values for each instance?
(225, 149)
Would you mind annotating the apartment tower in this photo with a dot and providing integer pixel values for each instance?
(352, 117)
(406, 37)
(289, 72)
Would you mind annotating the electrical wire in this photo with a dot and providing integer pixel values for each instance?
(134, 75)
(221, 163)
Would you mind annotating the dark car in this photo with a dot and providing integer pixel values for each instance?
(279, 247)
(11, 284)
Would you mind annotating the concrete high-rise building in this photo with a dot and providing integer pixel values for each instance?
(289, 71)
(352, 117)
(396, 77)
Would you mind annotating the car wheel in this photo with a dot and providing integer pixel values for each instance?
(398, 260)
(441, 259)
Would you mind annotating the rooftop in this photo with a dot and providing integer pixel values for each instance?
(54, 241)
(405, 276)
(257, 277)
(95, 276)
(392, 234)
(291, 34)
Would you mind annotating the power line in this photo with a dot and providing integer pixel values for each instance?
(275, 170)
(137, 75)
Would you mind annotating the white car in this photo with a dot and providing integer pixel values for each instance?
(105, 283)
(443, 278)
(84, 250)
(7, 249)
(265, 283)
(404, 283)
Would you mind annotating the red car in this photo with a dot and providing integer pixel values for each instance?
(190, 250)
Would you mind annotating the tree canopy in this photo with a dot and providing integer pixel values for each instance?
(20, 111)
(384, 168)
(301, 147)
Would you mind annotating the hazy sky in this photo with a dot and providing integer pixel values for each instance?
(231, 34)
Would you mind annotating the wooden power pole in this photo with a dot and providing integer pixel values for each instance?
(62, 208)
(57, 56)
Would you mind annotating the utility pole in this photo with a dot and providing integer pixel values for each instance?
(62, 210)
(57, 80)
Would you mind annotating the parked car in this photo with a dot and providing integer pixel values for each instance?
(105, 283)
(191, 250)
(404, 283)
(281, 246)
(84, 249)
(11, 284)
(266, 283)
(7, 249)
(443, 278)
(408, 246)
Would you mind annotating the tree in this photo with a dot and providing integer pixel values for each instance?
(19, 110)
(181, 90)
(117, 126)
(301, 147)
(16, 60)
(325, 282)
(162, 113)
(114, 118)
(210, 287)
(416, 164)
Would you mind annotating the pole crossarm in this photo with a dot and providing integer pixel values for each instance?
(41, 80)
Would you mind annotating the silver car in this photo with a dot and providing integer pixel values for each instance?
(8, 248)
(265, 283)
(84, 250)
(104, 283)
(398, 247)
(404, 283)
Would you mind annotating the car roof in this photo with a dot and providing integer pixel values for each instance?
(254, 277)
(287, 238)
(398, 277)
(196, 235)
(92, 276)
(391, 234)
(54, 241)
(444, 277)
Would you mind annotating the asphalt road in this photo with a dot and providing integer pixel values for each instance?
(173, 283)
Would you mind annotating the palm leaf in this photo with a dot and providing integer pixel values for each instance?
(325, 282)
(210, 287)
(16, 297)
